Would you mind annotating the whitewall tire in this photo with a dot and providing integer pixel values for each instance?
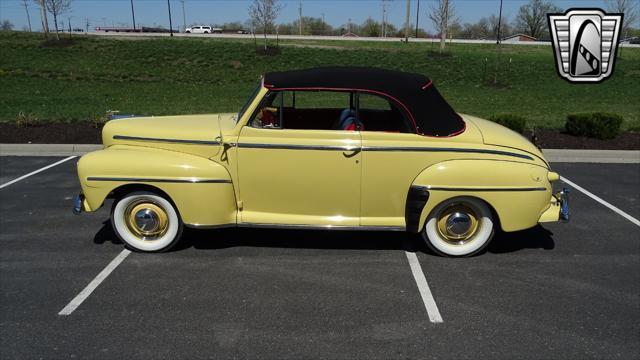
(461, 226)
(146, 222)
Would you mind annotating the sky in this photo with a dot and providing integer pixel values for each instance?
(206, 12)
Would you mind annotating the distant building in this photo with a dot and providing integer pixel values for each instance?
(518, 38)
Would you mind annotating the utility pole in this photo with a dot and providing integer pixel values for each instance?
(406, 24)
(499, 39)
(69, 22)
(133, 15)
(45, 21)
(86, 24)
(170, 24)
(300, 16)
(384, 14)
(184, 18)
(26, 8)
(417, 18)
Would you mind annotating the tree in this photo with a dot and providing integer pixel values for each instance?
(442, 14)
(370, 28)
(630, 10)
(57, 7)
(43, 17)
(6, 25)
(494, 21)
(532, 18)
(263, 14)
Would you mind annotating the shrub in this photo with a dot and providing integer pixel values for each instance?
(25, 120)
(514, 122)
(597, 125)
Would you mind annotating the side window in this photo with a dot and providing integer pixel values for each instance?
(377, 113)
(307, 110)
(373, 102)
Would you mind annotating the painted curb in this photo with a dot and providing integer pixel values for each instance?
(46, 149)
(552, 155)
(592, 156)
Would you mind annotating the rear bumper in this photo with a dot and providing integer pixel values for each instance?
(558, 209)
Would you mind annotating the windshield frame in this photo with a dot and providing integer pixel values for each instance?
(249, 101)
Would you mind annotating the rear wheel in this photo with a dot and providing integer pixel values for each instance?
(460, 226)
(146, 222)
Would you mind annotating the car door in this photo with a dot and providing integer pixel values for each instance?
(293, 172)
(388, 170)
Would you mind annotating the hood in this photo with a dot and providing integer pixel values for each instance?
(498, 135)
(197, 134)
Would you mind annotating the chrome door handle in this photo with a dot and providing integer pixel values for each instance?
(354, 152)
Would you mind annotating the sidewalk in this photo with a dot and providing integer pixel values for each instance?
(552, 155)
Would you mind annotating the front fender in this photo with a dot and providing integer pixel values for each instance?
(518, 192)
(201, 189)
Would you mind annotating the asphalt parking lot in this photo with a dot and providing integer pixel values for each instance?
(555, 291)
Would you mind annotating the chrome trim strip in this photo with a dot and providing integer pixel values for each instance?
(486, 189)
(298, 147)
(207, 227)
(165, 180)
(322, 227)
(435, 149)
(380, 148)
(179, 141)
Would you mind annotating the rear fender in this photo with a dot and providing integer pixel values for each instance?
(517, 192)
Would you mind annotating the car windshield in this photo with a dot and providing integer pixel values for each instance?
(248, 102)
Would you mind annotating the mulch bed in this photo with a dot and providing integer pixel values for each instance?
(87, 133)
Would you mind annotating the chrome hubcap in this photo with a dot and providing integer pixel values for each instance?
(147, 220)
(458, 224)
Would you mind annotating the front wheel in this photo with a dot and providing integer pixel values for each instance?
(146, 222)
(460, 226)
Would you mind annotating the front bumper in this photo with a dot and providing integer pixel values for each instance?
(77, 204)
(558, 209)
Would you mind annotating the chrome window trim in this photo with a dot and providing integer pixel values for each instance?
(442, 188)
(160, 180)
(178, 141)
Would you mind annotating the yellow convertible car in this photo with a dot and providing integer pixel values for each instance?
(344, 148)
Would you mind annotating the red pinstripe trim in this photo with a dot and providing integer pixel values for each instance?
(413, 121)
(427, 84)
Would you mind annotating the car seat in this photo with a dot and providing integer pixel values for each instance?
(348, 121)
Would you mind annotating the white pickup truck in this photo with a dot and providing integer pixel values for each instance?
(202, 30)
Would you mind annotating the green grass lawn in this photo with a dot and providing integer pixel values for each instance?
(162, 76)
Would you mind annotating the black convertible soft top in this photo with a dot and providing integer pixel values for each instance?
(415, 93)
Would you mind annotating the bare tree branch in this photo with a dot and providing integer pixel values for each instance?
(630, 10)
(56, 8)
(442, 14)
(532, 18)
(263, 14)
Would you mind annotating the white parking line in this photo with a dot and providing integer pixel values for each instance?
(35, 172)
(423, 288)
(594, 197)
(84, 294)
